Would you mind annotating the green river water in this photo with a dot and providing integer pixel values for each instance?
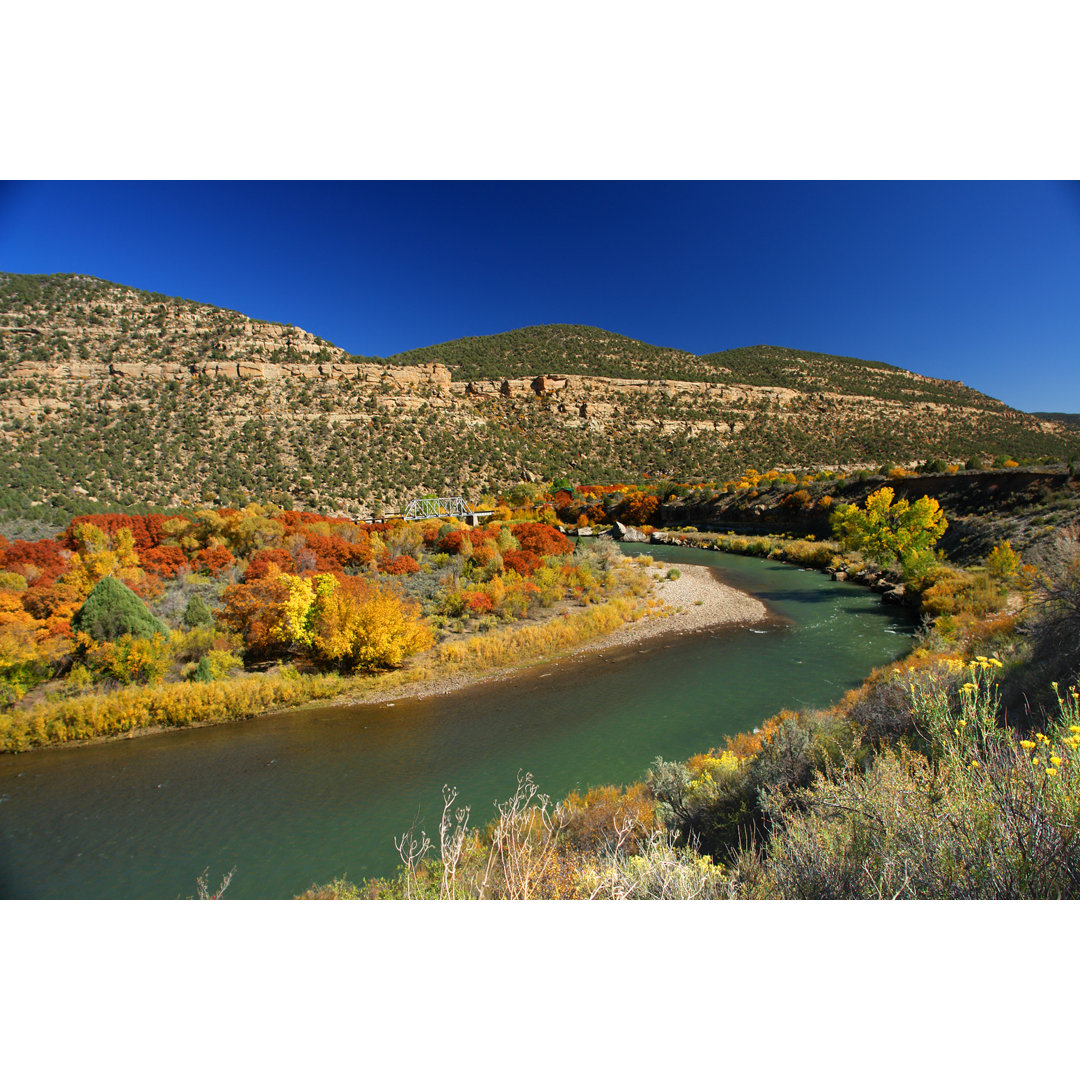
(302, 797)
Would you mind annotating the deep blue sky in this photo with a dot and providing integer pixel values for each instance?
(973, 281)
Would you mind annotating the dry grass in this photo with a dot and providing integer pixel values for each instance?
(131, 708)
(504, 648)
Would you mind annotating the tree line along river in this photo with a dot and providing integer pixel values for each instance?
(296, 798)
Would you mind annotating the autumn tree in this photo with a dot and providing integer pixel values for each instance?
(97, 555)
(367, 627)
(213, 560)
(541, 539)
(253, 609)
(350, 622)
(888, 530)
(637, 508)
(1003, 563)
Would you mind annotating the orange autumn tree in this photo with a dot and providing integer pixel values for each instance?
(254, 609)
(637, 508)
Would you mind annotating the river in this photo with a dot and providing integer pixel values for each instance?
(302, 797)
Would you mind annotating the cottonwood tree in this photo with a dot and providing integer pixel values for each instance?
(886, 530)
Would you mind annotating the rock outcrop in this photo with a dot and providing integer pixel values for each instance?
(629, 534)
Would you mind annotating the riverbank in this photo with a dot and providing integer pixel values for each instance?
(305, 795)
(653, 604)
(696, 600)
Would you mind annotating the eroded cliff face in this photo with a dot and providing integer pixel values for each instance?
(577, 401)
(122, 397)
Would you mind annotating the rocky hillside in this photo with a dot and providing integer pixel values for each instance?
(1066, 420)
(115, 398)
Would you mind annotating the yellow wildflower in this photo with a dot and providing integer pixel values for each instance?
(967, 688)
(1051, 772)
(963, 723)
(1027, 744)
(981, 659)
(1054, 760)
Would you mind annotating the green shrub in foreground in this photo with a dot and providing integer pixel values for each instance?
(984, 815)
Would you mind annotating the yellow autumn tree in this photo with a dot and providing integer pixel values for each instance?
(293, 625)
(385, 630)
(888, 530)
(250, 530)
(1003, 563)
(97, 556)
(352, 623)
(366, 627)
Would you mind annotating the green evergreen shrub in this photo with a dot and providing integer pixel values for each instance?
(197, 612)
(112, 610)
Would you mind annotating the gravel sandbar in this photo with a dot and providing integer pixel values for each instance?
(696, 600)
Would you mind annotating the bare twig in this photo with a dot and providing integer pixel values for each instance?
(203, 888)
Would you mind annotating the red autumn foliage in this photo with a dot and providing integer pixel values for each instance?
(44, 601)
(55, 627)
(478, 603)
(452, 542)
(521, 562)
(540, 539)
(146, 529)
(166, 562)
(149, 587)
(334, 552)
(259, 564)
(49, 558)
(213, 560)
(403, 564)
(294, 519)
(252, 608)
